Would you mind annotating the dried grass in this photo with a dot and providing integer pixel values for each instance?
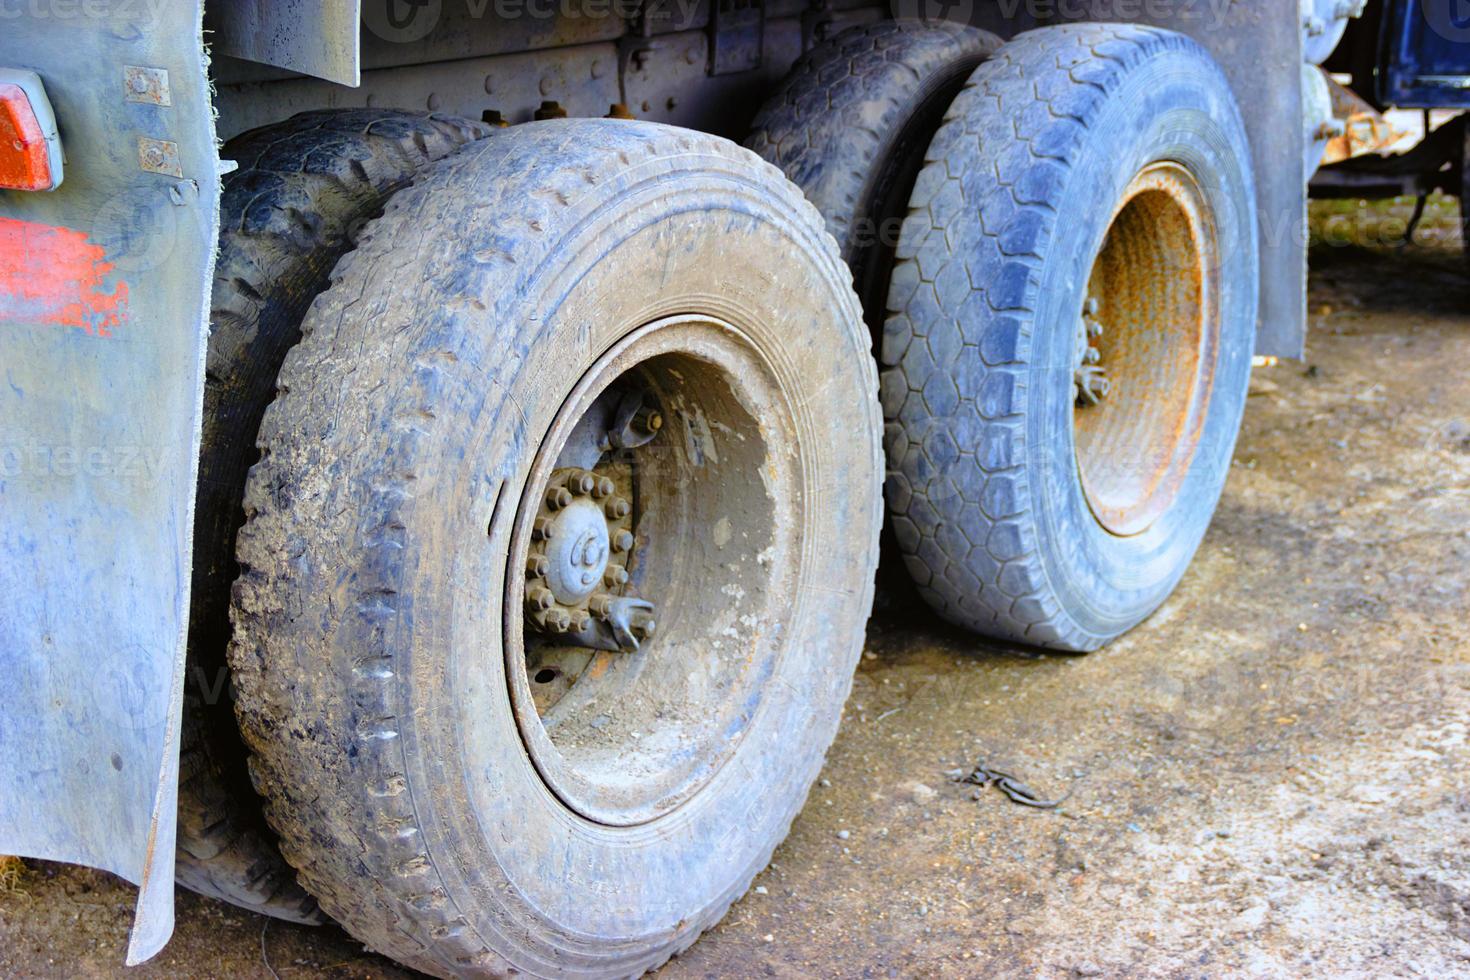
(12, 873)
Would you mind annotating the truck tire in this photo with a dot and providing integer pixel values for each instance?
(849, 126)
(580, 338)
(302, 190)
(1088, 178)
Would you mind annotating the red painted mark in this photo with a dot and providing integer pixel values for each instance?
(54, 275)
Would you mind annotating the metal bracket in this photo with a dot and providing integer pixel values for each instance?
(146, 85)
(737, 30)
(628, 619)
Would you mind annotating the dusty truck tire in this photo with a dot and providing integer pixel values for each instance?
(287, 214)
(462, 785)
(850, 123)
(1080, 163)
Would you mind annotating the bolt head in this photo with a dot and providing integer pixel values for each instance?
(581, 484)
(622, 541)
(615, 577)
(558, 620)
(539, 599)
(603, 488)
(537, 566)
(581, 621)
(649, 420)
(645, 628)
(617, 508)
(558, 497)
(600, 605)
(541, 530)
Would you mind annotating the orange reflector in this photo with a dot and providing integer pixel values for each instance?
(25, 159)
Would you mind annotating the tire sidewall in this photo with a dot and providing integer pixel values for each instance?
(1177, 108)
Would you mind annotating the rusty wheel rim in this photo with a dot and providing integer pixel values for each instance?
(623, 736)
(1146, 347)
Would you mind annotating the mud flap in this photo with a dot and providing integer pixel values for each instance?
(104, 287)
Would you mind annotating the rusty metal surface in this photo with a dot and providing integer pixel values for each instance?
(1154, 306)
(1365, 130)
(313, 37)
(1259, 44)
(159, 156)
(103, 296)
(148, 85)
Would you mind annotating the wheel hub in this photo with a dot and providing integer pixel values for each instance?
(1089, 382)
(582, 538)
(575, 536)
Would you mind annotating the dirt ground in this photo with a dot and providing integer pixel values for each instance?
(1271, 777)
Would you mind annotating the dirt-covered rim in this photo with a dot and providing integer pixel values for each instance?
(1147, 340)
(631, 701)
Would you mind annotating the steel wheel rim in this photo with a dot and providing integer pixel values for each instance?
(1150, 322)
(627, 772)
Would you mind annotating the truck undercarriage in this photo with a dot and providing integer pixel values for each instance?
(352, 310)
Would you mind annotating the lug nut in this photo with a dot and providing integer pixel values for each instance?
(582, 483)
(617, 508)
(537, 566)
(645, 627)
(604, 488)
(601, 605)
(558, 620)
(615, 577)
(648, 420)
(622, 541)
(581, 621)
(541, 530)
(558, 497)
(539, 599)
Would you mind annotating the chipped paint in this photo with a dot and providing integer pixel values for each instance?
(54, 275)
